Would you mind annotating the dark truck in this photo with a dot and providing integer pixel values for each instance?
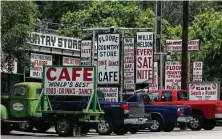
(120, 117)
(163, 117)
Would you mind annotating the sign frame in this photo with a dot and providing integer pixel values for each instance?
(119, 67)
(218, 89)
(60, 66)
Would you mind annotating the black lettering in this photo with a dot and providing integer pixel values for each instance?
(65, 40)
(47, 40)
(70, 44)
(60, 42)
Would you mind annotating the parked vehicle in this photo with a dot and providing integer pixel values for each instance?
(17, 109)
(120, 117)
(205, 113)
(163, 117)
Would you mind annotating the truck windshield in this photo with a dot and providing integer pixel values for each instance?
(19, 91)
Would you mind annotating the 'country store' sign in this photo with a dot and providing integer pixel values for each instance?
(54, 41)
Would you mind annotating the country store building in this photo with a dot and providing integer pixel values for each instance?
(47, 49)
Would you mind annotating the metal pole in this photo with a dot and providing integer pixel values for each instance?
(93, 46)
(24, 74)
(121, 69)
(161, 71)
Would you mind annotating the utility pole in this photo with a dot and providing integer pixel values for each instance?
(184, 73)
(158, 41)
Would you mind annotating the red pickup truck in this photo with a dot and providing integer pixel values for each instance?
(205, 113)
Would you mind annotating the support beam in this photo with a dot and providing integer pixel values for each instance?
(184, 72)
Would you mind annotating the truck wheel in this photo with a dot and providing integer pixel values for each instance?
(209, 124)
(7, 128)
(42, 127)
(169, 127)
(196, 123)
(26, 126)
(64, 128)
(133, 130)
(157, 124)
(104, 127)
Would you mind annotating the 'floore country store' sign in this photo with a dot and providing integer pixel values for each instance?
(144, 57)
(108, 58)
(54, 41)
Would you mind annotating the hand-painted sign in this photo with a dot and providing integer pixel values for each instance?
(144, 60)
(54, 41)
(172, 75)
(110, 93)
(204, 91)
(176, 45)
(86, 52)
(197, 71)
(154, 85)
(70, 61)
(129, 63)
(38, 61)
(69, 80)
(108, 58)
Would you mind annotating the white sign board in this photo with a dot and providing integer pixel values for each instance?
(154, 85)
(144, 57)
(70, 61)
(129, 63)
(38, 61)
(172, 75)
(69, 80)
(108, 58)
(54, 41)
(176, 45)
(204, 91)
(86, 52)
(197, 71)
(110, 93)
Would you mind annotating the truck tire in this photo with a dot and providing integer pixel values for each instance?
(133, 130)
(105, 127)
(197, 123)
(168, 127)
(64, 128)
(157, 124)
(209, 124)
(42, 128)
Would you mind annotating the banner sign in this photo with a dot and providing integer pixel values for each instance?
(172, 75)
(54, 41)
(144, 57)
(154, 85)
(176, 45)
(70, 61)
(197, 71)
(128, 45)
(38, 61)
(204, 90)
(72, 80)
(110, 93)
(108, 58)
(86, 53)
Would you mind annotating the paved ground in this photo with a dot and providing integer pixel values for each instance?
(176, 134)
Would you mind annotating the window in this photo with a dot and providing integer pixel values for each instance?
(19, 91)
(38, 91)
(166, 96)
(182, 95)
(154, 96)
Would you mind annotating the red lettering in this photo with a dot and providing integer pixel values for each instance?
(144, 74)
(64, 75)
(87, 76)
(74, 73)
(139, 60)
(48, 73)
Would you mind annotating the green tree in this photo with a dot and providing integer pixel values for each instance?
(18, 20)
(208, 28)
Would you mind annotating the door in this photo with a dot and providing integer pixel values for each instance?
(18, 103)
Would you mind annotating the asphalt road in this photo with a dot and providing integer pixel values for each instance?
(216, 133)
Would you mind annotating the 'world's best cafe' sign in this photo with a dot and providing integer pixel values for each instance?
(54, 41)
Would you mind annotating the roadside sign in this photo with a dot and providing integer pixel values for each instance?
(204, 90)
(110, 93)
(69, 80)
(172, 75)
(176, 45)
(197, 71)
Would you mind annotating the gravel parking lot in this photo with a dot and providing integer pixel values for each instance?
(176, 134)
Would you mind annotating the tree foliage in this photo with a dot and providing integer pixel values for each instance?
(18, 19)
